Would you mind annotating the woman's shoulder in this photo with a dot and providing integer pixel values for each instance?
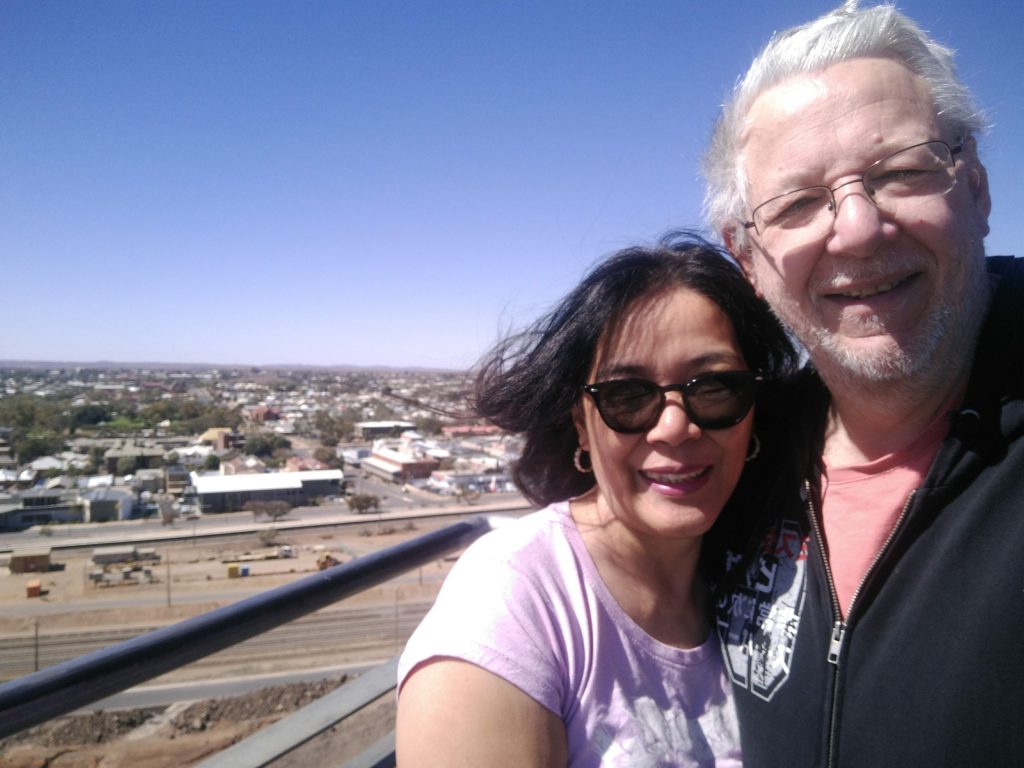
(533, 535)
(502, 605)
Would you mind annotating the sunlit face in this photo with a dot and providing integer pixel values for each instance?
(672, 480)
(880, 296)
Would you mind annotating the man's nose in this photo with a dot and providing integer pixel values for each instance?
(859, 225)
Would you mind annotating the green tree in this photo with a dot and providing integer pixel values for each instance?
(264, 444)
(380, 410)
(30, 414)
(96, 458)
(212, 462)
(362, 503)
(428, 425)
(329, 457)
(126, 465)
(346, 425)
(275, 510)
(90, 414)
(267, 536)
(31, 447)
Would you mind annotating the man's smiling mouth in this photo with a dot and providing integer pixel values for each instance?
(863, 293)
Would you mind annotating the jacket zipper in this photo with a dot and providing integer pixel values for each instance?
(839, 627)
(835, 645)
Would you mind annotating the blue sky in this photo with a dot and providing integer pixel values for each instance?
(373, 182)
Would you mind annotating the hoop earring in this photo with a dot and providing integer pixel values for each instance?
(755, 448)
(577, 461)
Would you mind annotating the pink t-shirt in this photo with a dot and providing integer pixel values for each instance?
(526, 603)
(862, 504)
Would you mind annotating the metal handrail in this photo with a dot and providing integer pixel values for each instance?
(65, 687)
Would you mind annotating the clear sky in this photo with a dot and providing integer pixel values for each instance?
(373, 182)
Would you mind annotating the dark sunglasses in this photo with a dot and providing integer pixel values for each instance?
(711, 401)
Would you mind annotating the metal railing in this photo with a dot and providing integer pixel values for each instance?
(65, 687)
(265, 746)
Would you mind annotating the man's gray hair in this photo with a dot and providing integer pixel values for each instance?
(848, 32)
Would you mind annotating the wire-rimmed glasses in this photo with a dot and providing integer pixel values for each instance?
(910, 175)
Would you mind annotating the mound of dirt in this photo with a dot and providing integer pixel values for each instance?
(76, 730)
(266, 702)
(104, 738)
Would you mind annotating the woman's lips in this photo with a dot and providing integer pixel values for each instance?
(677, 483)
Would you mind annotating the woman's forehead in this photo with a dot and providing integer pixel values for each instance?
(665, 327)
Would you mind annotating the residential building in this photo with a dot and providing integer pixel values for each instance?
(230, 493)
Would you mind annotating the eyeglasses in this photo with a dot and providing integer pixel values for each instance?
(905, 177)
(711, 401)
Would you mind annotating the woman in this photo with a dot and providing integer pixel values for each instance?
(579, 635)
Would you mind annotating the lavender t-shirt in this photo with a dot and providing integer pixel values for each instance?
(526, 603)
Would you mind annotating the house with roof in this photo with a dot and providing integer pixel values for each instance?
(400, 461)
(222, 438)
(40, 506)
(372, 430)
(136, 455)
(243, 465)
(151, 480)
(230, 493)
(104, 505)
(7, 461)
(303, 464)
(46, 464)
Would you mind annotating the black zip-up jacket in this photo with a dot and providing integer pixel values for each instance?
(928, 668)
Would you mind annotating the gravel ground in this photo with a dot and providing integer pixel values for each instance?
(184, 734)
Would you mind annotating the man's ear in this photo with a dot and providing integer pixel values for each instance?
(739, 249)
(979, 188)
(977, 182)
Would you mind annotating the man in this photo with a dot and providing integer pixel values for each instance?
(880, 620)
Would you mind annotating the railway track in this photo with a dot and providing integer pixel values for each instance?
(316, 636)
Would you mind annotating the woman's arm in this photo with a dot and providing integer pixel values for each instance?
(452, 714)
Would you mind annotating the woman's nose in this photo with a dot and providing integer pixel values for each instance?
(674, 424)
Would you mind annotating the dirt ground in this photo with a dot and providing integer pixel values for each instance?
(184, 734)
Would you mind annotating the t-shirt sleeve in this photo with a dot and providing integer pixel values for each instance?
(490, 612)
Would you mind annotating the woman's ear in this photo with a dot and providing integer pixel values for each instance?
(580, 422)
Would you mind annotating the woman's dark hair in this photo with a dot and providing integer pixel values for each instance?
(529, 382)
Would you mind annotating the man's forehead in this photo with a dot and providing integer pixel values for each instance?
(854, 108)
(789, 99)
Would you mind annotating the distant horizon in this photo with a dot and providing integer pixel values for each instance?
(128, 365)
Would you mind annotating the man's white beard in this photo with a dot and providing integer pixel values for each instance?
(940, 348)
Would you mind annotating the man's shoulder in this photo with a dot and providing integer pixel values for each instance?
(1001, 262)
(1007, 273)
(1000, 354)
